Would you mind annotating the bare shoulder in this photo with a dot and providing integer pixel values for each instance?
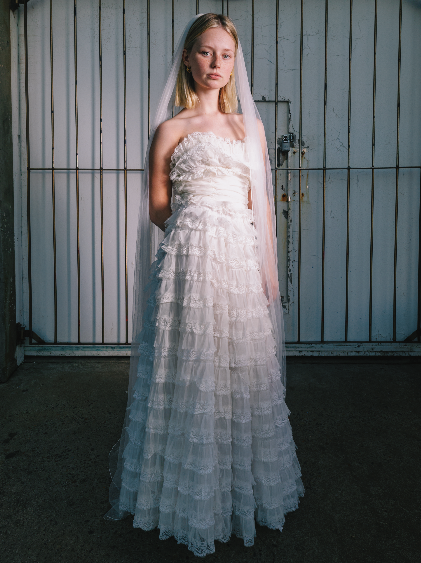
(237, 123)
(166, 138)
(168, 131)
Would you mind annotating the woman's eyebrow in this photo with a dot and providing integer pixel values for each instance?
(209, 47)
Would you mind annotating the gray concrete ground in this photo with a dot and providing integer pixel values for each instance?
(356, 424)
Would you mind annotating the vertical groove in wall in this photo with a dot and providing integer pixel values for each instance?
(373, 145)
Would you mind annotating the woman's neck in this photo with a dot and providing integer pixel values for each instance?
(208, 101)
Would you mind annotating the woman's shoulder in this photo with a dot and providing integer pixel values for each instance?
(238, 118)
(173, 129)
(169, 128)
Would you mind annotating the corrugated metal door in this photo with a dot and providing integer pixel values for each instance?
(336, 83)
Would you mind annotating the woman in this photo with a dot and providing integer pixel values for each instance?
(207, 448)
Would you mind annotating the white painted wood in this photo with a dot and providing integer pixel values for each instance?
(288, 186)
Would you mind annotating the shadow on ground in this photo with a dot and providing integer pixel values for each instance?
(355, 421)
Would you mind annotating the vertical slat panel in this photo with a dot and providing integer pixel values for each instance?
(300, 143)
(398, 114)
(322, 312)
(53, 186)
(101, 172)
(77, 169)
(373, 144)
(409, 154)
(126, 288)
(88, 87)
(336, 181)
(348, 175)
(28, 173)
(114, 157)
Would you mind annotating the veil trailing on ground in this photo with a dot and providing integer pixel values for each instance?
(148, 237)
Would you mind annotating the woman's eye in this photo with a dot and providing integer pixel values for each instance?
(227, 56)
(205, 52)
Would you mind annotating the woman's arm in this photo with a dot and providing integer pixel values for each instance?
(164, 142)
(262, 136)
(273, 278)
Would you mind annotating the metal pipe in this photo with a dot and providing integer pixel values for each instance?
(77, 170)
(53, 183)
(28, 171)
(101, 156)
(373, 144)
(348, 176)
(398, 115)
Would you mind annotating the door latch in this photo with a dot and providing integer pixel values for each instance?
(285, 144)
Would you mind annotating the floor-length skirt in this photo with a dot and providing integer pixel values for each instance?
(211, 450)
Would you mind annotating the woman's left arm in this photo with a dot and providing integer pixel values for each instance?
(273, 278)
(264, 149)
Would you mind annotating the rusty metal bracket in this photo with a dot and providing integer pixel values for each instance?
(22, 333)
(14, 4)
(413, 336)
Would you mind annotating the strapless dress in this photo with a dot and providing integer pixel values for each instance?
(211, 450)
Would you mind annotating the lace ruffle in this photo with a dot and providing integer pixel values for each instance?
(203, 154)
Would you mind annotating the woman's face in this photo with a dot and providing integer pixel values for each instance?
(211, 59)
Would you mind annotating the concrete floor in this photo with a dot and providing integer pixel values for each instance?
(356, 423)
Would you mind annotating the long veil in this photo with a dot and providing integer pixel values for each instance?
(148, 237)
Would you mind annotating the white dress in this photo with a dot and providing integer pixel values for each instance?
(211, 449)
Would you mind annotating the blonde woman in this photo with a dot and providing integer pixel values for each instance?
(207, 449)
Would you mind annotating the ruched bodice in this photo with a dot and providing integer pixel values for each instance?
(206, 168)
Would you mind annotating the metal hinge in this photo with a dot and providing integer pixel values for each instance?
(22, 333)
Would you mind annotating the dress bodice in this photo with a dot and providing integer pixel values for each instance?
(209, 169)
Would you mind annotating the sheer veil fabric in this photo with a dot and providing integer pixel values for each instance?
(148, 237)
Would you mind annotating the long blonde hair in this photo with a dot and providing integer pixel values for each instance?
(185, 94)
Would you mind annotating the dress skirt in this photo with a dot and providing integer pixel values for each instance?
(211, 450)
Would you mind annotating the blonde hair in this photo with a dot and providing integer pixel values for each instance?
(185, 94)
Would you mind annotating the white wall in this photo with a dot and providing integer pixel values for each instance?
(288, 120)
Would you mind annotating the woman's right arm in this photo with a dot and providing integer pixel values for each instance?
(164, 142)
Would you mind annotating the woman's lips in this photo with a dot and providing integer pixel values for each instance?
(214, 75)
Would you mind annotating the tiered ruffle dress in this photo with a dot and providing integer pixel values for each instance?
(211, 449)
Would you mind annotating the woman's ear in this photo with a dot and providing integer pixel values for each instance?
(186, 58)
